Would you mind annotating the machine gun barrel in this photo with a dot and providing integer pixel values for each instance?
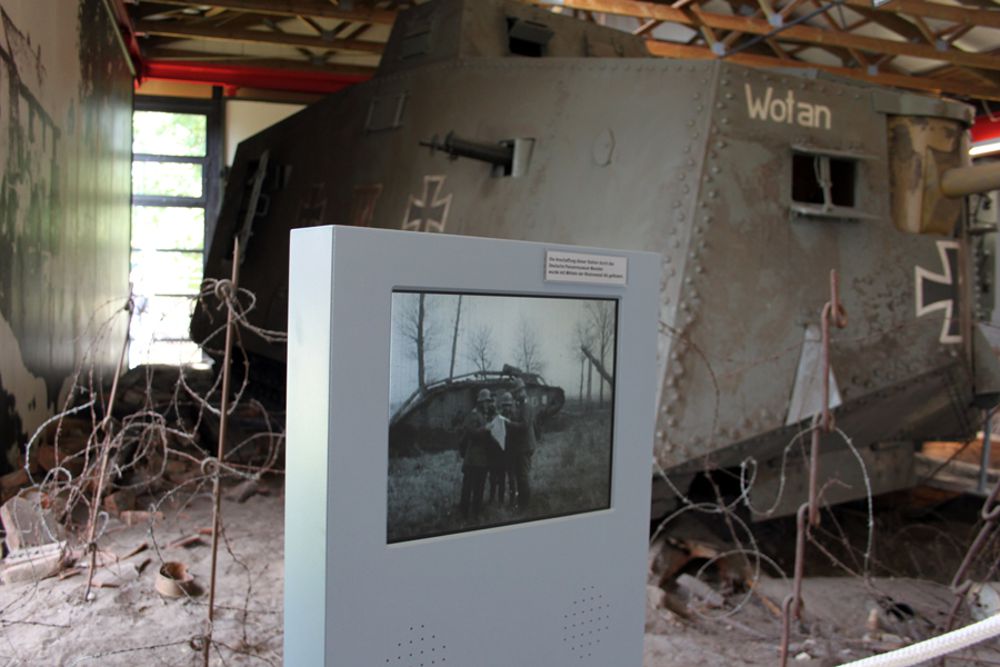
(498, 155)
(962, 181)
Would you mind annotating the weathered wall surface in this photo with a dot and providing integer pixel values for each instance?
(65, 154)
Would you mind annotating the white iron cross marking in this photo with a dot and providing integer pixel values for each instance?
(429, 213)
(939, 291)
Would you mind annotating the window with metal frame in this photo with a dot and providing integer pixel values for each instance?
(176, 152)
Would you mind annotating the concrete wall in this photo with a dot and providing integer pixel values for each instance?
(245, 119)
(65, 154)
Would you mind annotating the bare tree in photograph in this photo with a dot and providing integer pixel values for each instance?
(581, 340)
(454, 337)
(479, 348)
(416, 325)
(602, 325)
(526, 352)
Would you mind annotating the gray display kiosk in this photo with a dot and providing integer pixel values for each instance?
(465, 484)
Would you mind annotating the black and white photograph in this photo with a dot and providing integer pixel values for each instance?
(500, 410)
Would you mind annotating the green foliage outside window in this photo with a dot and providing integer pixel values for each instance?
(176, 134)
(164, 227)
(167, 240)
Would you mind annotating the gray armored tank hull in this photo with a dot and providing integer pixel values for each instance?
(753, 185)
(434, 418)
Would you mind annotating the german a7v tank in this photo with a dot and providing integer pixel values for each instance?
(493, 118)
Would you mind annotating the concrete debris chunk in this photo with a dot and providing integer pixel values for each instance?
(245, 490)
(134, 517)
(659, 617)
(27, 524)
(984, 600)
(33, 564)
(699, 592)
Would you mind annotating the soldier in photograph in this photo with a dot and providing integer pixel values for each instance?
(478, 453)
(521, 443)
(502, 472)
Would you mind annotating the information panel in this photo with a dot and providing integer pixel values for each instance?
(468, 452)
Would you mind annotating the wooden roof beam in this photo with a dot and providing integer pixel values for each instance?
(176, 29)
(925, 30)
(960, 15)
(202, 58)
(935, 10)
(797, 33)
(893, 22)
(673, 50)
(646, 26)
(306, 53)
(786, 11)
(954, 33)
(778, 51)
(292, 8)
(358, 30)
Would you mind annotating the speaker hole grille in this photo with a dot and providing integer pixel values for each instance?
(418, 647)
(586, 623)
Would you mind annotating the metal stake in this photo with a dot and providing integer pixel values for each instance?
(808, 514)
(984, 461)
(105, 426)
(220, 453)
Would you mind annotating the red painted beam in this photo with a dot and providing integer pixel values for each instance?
(299, 81)
(127, 30)
(986, 129)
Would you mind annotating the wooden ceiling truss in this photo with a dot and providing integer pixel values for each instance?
(846, 37)
(790, 29)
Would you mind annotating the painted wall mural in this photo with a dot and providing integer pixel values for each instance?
(65, 155)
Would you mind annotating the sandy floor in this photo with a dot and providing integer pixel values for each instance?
(131, 624)
(837, 624)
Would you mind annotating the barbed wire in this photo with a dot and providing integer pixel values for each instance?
(144, 440)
